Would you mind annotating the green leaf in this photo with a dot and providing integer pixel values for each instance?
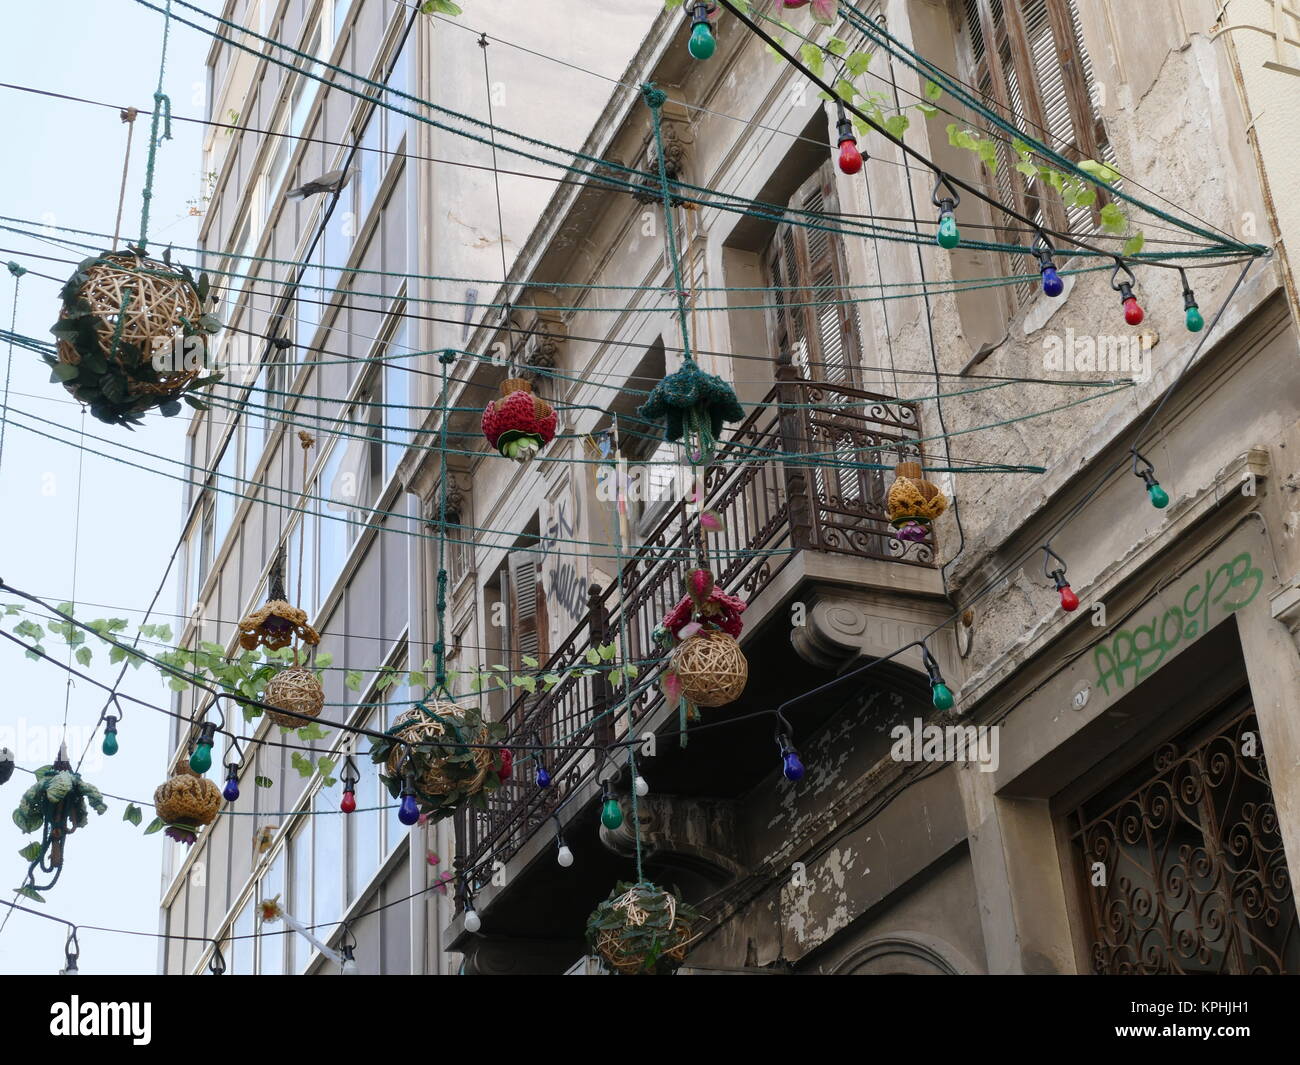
(1102, 172)
(932, 92)
(29, 892)
(857, 63)
(813, 58)
(353, 680)
(896, 125)
(844, 90)
(263, 782)
(1028, 169)
(608, 651)
(302, 764)
(156, 825)
(529, 661)
(30, 852)
(324, 660)
(837, 46)
(132, 813)
(1113, 219)
(83, 655)
(1134, 244)
(592, 656)
(929, 110)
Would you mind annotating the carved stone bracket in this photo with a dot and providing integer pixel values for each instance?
(539, 342)
(678, 830)
(677, 137)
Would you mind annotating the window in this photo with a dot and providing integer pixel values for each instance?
(328, 870)
(1196, 879)
(304, 92)
(812, 326)
(397, 392)
(1031, 64)
(272, 941)
(527, 607)
(299, 903)
(226, 489)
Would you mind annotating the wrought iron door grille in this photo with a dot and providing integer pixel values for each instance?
(1185, 873)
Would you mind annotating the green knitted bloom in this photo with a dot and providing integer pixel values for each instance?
(693, 406)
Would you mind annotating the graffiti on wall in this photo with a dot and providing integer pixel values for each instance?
(1131, 654)
(564, 585)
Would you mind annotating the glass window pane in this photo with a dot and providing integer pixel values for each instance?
(300, 895)
(273, 936)
(366, 823)
(240, 954)
(328, 869)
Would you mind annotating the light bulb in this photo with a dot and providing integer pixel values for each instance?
(231, 791)
(642, 786)
(611, 814)
(1069, 601)
(543, 777)
(850, 157)
(110, 742)
(564, 857)
(948, 235)
(791, 765)
(507, 764)
(201, 759)
(941, 696)
(472, 921)
(702, 44)
(1159, 497)
(349, 967)
(409, 812)
(1195, 323)
(1052, 283)
(349, 802)
(1133, 313)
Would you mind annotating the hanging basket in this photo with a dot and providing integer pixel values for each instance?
(693, 406)
(711, 667)
(913, 502)
(456, 769)
(641, 930)
(275, 624)
(518, 424)
(295, 688)
(186, 802)
(132, 335)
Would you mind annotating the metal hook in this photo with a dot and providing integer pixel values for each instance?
(1115, 283)
(1049, 554)
(217, 965)
(947, 203)
(1042, 248)
(1138, 457)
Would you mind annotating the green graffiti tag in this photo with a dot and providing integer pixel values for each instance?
(1132, 654)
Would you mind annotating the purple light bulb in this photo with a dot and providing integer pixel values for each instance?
(231, 791)
(408, 813)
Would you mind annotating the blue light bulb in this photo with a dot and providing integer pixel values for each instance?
(409, 812)
(1052, 283)
(793, 767)
(231, 791)
(543, 777)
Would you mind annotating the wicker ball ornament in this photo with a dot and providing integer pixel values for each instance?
(711, 667)
(519, 423)
(186, 802)
(295, 688)
(416, 726)
(132, 335)
(641, 930)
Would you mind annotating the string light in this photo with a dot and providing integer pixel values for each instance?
(201, 759)
(231, 791)
(563, 856)
(1133, 313)
(611, 813)
(792, 767)
(940, 693)
(350, 778)
(1069, 601)
(109, 746)
(1052, 284)
(1142, 468)
(702, 44)
(71, 952)
(641, 786)
(947, 234)
(347, 949)
(850, 160)
(1193, 318)
(409, 811)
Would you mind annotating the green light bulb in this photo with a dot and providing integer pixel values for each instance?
(1159, 497)
(1195, 323)
(701, 45)
(948, 236)
(941, 696)
(611, 814)
(110, 743)
(201, 759)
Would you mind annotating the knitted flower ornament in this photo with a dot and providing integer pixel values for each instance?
(518, 424)
(704, 603)
(693, 406)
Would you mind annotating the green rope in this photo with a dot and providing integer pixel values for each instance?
(655, 99)
(162, 112)
(440, 647)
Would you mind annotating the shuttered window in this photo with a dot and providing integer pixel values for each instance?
(807, 269)
(1031, 65)
(528, 617)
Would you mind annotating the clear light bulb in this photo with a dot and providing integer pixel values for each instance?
(564, 857)
(642, 787)
(472, 921)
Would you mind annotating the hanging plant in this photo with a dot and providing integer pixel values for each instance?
(133, 335)
(518, 424)
(641, 930)
(913, 502)
(693, 406)
(449, 761)
(185, 803)
(56, 805)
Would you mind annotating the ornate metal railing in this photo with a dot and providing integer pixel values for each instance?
(772, 505)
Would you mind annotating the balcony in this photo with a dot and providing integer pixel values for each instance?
(794, 530)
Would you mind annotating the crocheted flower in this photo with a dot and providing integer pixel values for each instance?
(707, 604)
(693, 406)
(519, 423)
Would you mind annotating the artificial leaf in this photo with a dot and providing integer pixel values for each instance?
(156, 825)
(132, 813)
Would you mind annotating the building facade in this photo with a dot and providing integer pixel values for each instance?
(1128, 800)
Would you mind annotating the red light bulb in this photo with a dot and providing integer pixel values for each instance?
(1069, 601)
(349, 802)
(507, 764)
(850, 157)
(1132, 312)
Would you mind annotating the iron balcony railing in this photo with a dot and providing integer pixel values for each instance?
(772, 506)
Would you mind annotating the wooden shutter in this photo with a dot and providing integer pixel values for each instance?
(808, 266)
(529, 624)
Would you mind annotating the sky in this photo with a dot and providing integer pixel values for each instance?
(78, 526)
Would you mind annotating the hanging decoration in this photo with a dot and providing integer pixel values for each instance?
(641, 929)
(913, 503)
(271, 911)
(56, 805)
(519, 423)
(7, 765)
(1069, 601)
(1192, 316)
(1133, 313)
(704, 604)
(940, 693)
(693, 407)
(276, 623)
(706, 666)
(1142, 468)
(186, 802)
(792, 767)
(297, 690)
(1042, 248)
(947, 235)
(702, 43)
(710, 668)
(110, 745)
(850, 158)
(133, 335)
(442, 753)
